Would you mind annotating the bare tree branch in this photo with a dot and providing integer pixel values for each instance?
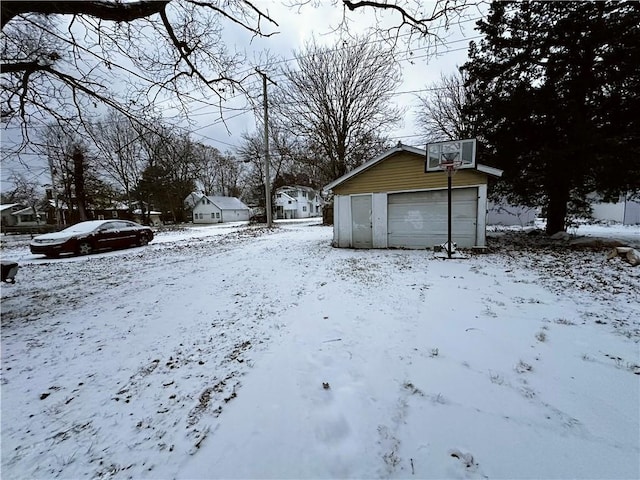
(105, 10)
(412, 16)
(336, 99)
(126, 55)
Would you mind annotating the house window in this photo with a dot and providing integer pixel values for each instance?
(217, 214)
(213, 216)
(100, 217)
(304, 194)
(114, 214)
(195, 216)
(304, 208)
(289, 202)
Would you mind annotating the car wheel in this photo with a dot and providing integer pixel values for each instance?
(143, 240)
(84, 248)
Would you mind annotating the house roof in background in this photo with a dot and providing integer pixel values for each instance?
(138, 211)
(192, 199)
(6, 206)
(27, 210)
(281, 191)
(227, 203)
(296, 187)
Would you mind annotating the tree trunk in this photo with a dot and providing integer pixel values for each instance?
(78, 178)
(557, 207)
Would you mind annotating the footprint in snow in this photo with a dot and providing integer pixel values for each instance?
(468, 463)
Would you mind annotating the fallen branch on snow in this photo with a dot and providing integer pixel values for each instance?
(629, 254)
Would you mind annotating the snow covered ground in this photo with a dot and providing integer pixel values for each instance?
(241, 352)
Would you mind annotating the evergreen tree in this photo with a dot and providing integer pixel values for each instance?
(558, 89)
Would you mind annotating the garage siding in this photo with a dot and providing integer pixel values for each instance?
(420, 219)
(402, 172)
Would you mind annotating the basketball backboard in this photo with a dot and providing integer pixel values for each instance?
(460, 152)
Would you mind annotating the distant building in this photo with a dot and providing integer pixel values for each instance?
(502, 213)
(7, 210)
(298, 202)
(17, 215)
(625, 211)
(214, 209)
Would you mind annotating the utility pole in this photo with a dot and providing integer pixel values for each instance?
(267, 175)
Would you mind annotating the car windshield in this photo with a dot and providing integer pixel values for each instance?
(83, 227)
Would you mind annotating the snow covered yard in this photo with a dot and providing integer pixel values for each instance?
(251, 353)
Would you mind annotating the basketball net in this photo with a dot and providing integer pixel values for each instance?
(451, 167)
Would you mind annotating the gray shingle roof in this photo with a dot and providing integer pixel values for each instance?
(227, 203)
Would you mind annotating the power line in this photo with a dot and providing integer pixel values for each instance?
(220, 107)
(247, 109)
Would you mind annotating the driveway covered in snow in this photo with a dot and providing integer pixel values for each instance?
(255, 353)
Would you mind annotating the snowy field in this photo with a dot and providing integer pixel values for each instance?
(241, 352)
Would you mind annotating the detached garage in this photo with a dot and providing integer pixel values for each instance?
(390, 202)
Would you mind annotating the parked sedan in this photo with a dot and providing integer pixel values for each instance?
(87, 237)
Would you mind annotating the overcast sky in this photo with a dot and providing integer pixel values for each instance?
(295, 27)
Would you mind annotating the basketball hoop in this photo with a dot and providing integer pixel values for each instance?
(451, 167)
(450, 162)
(450, 156)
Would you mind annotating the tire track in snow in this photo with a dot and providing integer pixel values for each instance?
(167, 378)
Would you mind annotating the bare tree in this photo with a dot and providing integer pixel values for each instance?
(251, 153)
(121, 151)
(208, 175)
(26, 192)
(61, 58)
(337, 99)
(172, 165)
(75, 174)
(217, 173)
(441, 115)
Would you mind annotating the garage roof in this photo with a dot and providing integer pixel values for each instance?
(496, 172)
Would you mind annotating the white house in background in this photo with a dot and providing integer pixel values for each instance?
(152, 216)
(503, 213)
(625, 210)
(7, 210)
(27, 217)
(298, 202)
(16, 215)
(211, 209)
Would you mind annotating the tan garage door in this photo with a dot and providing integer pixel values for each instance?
(419, 219)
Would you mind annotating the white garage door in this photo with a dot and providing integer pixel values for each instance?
(419, 219)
